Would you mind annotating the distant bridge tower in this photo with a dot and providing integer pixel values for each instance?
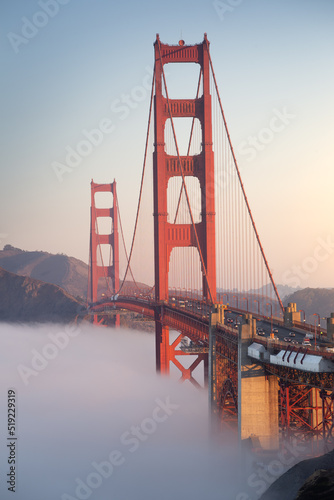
(168, 235)
(108, 271)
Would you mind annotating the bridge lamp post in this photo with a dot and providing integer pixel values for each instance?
(246, 298)
(315, 328)
(271, 314)
(302, 311)
(239, 316)
(226, 297)
(236, 297)
(320, 333)
(258, 306)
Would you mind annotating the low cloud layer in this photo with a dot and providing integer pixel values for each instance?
(94, 421)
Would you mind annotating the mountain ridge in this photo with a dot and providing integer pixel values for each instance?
(69, 273)
(313, 301)
(25, 299)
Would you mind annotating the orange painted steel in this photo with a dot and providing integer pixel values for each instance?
(96, 240)
(301, 418)
(170, 235)
(306, 400)
(327, 398)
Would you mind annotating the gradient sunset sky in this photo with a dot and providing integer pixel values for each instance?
(61, 79)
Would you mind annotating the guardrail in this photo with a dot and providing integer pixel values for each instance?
(280, 345)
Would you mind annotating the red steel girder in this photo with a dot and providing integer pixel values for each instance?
(228, 403)
(327, 398)
(167, 352)
(303, 415)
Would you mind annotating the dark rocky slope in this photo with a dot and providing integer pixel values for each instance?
(24, 299)
(288, 485)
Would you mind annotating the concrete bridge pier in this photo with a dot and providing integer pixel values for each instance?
(330, 328)
(291, 315)
(257, 394)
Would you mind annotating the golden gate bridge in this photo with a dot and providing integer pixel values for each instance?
(212, 281)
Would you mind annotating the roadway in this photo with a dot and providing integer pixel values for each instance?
(289, 336)
(232, 318)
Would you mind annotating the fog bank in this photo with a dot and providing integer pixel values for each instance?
(93, 420)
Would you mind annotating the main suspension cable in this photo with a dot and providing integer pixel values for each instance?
(141, 184)
(124, 245)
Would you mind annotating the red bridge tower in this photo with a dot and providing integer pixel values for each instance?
(108, 271)
(168, 235)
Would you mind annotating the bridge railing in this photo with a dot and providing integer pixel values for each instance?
(201, 310)
(280, 345)
(310, 328)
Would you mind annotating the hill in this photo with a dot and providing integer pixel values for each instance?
(300, 482)
(25, 299)
(67, 272)
(313, 300)
(283, 290)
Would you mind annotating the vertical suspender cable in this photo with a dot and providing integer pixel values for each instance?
(242, 187)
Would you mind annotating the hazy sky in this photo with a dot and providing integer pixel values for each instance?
(68, 64)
